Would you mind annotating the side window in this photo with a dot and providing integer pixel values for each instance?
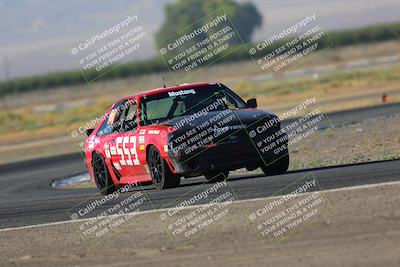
(126, 117)
(130, 119)
(126, 120)
(104, 129)
(109, 124)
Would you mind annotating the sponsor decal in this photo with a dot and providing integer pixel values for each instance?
(182, 92)
(154, 132)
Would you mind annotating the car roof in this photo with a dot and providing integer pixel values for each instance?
(166, 89)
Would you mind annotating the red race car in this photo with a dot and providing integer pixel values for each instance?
(189, 130)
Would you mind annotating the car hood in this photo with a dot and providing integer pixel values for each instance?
(243, 117)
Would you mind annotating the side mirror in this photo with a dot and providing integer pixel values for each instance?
(89, 131)
(251, 103)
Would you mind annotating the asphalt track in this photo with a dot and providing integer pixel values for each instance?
(26, 197)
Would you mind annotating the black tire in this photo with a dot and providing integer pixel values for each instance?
(277, 167)
(215, 176)
(102, 175)
(160, 173)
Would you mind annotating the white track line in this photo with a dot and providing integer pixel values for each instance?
(357, 187)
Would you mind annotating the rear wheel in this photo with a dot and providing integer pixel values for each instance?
(160, 173)
(215, 176)
(277, 167)
(102, 175)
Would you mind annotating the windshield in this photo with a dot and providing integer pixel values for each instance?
(165, 106)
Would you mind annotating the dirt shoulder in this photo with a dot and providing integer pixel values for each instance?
(358, 228)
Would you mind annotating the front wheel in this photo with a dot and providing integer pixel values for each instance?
(279, 166)
(160, 173)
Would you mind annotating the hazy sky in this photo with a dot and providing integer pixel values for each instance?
(37, 35)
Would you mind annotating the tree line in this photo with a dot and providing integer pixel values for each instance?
(362, 35)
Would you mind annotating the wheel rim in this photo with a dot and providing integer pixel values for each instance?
(156, 166)
(100, 172)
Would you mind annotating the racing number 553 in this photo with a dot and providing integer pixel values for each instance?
(121, 145)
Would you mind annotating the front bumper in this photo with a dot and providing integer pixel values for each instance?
(227, 156)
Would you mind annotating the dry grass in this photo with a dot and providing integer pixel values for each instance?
(39, 120)
(363, 142)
